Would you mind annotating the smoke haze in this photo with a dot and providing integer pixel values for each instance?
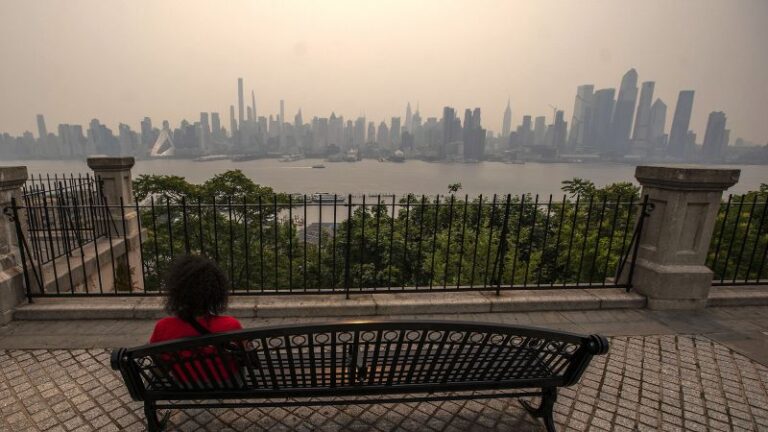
(119, 61)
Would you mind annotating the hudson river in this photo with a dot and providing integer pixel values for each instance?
(370, 176)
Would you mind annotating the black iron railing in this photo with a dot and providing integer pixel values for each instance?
(740, 242)
(289, 244)
(63, 214)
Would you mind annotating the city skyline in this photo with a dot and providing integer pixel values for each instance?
(606, 125)
(433, 53)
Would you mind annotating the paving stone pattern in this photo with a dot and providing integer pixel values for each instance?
(645, 383)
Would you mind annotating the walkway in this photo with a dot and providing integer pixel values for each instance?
(665, 371)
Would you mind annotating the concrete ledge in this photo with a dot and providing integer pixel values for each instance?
(542, 300)
(431, 303)
(307, 306)
(78, 308)
(618, 298)
(336, 305)
(316, 305)
(747, 295)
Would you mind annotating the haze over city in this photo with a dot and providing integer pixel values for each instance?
(121, 61)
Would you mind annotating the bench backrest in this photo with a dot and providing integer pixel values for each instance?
(358, 357)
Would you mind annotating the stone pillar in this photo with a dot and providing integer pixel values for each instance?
(670, 268)
(11, 274)
(114, 173)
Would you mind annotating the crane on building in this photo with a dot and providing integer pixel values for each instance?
(554, 112)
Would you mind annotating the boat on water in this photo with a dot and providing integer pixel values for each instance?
(327, 198)
(245, 157)
(318, 165)
(398, 156)
(210, 158)
(291, 157)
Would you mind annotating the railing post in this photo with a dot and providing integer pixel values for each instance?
(669, 267)
(12, 292)
(114, 174)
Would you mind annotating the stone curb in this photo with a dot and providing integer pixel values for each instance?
(747, 295)
(379, 304)
(336, 305)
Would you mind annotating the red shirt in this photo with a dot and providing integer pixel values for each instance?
(211, 370)
(170, 328)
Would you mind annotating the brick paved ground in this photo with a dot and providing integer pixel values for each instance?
(645, 383)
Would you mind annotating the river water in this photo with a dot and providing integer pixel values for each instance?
(373, 177)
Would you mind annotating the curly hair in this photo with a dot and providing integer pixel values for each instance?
(195, 286)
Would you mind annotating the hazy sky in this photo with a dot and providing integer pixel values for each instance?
(74, 60)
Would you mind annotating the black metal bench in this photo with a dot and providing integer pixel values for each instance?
(356, 362)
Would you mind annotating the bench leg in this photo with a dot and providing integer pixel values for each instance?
(545, 410)
(153, 423)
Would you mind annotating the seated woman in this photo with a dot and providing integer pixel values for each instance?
(197, 294)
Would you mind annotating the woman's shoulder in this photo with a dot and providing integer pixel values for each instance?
(167, 321)
(165, 328)
(226, 322)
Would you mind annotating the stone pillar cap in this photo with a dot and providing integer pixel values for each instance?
(687, 177)
(12, 177)
(111, 163)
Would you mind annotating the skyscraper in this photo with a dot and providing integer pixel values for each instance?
(473, 136)
(559, 129)
(450, 130)
(148, 136)
(240, 104)
(298, 119)
(678, 134)
(601, 123)
(394, 132)
(642, 132)
(658, 123)
(205, 131)
(539, 130)
(359, 132)
(581, 123)
(382, 135)
(713, 149)
(253, 105)
(215, 124)
(42, 131)
(506, 125)
(524, 132)
(408, 118)
(232, 122)
(371, 134)
(623, 113)
(281, 124)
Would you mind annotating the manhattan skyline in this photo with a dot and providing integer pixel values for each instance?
(92, 62)
(624, 128)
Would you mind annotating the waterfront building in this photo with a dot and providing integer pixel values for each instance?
(601, 123)
(642, 131)
(678, 134)
(539, 130)
(408, 118)
(506, 125)
(42, 131)
(715, 140)
(658, 123)
(581, 122)
(394, 132)
(371, 135)
(623, 113)
(240, 104)
(382, 135)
